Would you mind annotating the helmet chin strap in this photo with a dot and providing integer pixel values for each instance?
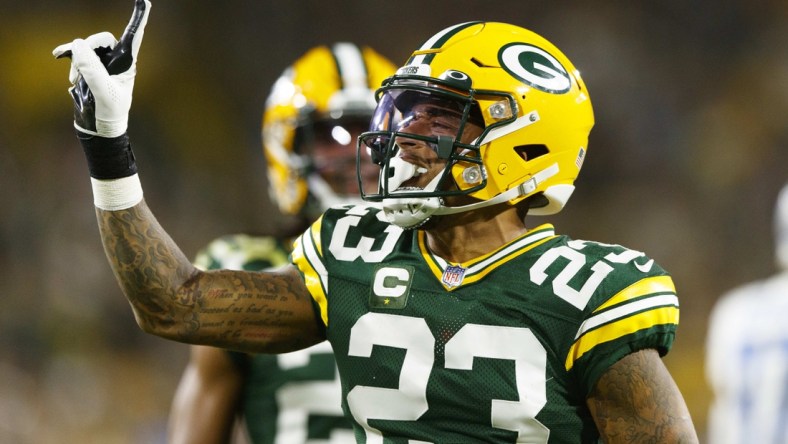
(415, 211)
(523, 189)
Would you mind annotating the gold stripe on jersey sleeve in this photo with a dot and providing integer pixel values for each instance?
(315, 229)
(651, 285)
(304, 249)
(661, 315)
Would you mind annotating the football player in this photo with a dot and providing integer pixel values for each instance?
(313, 116)
(747, 353)
(449, 318)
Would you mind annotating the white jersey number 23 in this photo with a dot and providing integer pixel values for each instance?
(409, 401)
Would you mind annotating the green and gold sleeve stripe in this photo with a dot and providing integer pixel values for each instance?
(652, 285)
(315, 231)
(307, 258)
(643, 305)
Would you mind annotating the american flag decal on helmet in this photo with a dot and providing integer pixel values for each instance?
(581, 155)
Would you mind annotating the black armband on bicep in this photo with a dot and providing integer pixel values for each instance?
(108, 158)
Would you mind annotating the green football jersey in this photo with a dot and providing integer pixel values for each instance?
(502, 349)
(287, 398)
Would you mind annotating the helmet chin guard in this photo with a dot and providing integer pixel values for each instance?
(408, 212)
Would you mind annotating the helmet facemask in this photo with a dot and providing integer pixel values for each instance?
(446, 115)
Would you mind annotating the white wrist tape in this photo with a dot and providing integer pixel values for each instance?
(117, 194)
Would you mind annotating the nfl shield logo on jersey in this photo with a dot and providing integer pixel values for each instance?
(453, 276)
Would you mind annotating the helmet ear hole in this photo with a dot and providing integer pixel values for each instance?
(529, 152)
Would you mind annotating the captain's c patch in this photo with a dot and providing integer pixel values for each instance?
(391, 286)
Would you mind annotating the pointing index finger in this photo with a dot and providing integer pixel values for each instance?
(125, 52)
(122, 56)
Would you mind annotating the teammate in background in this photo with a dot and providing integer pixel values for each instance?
(450, 319)
(747, 354)
(313, 115)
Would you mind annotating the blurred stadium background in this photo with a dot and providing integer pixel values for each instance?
(685, 161)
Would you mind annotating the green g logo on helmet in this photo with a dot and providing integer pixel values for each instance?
(535, 67)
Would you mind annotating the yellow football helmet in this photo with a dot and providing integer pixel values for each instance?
(328, 86)
(524, 92)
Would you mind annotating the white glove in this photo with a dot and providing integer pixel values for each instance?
(102, 74)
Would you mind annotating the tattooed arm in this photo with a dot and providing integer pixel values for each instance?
(265, 312)
(249, 311)
(637, 401)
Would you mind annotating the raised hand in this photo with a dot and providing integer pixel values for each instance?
(102, 76)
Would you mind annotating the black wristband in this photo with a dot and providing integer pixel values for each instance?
(108, 158)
